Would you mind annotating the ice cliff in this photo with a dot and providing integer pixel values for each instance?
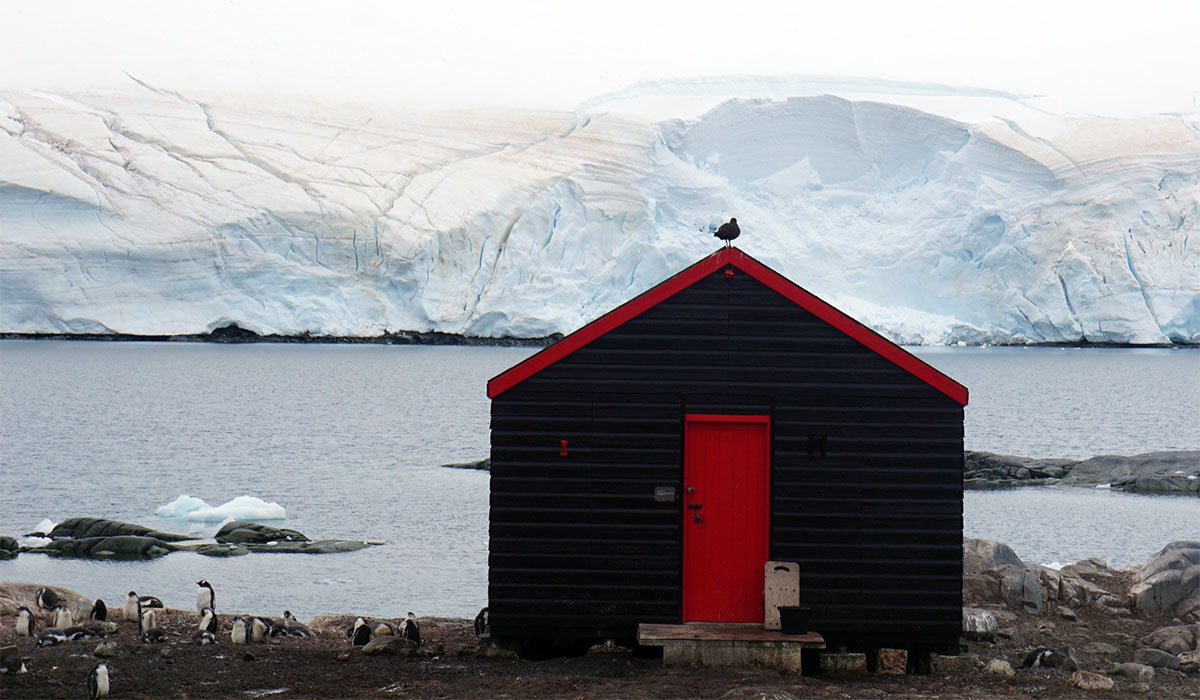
(157, 213)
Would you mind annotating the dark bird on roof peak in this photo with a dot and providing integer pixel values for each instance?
(728, 232)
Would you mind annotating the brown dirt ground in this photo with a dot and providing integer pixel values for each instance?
(450, 665)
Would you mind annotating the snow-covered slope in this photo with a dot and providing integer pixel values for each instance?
(157, 213)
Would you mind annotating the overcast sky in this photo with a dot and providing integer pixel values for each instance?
(1131, 57)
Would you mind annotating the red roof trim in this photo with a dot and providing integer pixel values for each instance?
(780, 284)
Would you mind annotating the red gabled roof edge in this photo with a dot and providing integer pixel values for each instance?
(689, 276)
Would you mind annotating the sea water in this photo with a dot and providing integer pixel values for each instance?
(349, 440)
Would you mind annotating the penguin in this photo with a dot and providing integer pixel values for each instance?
(149, 601)
(383, 629)
(12, 662)
(238, 634)
(294, 627)
(275, 628)
(259, 630)
(47, 599)
(77, 632)
(50, 636)
(98, 681)
(354, 628)
(410, 630)
(205, 596)
(204, 638)
(62, 617)
(1038, 657)
(148, 626)
(25, 622)
(99, 611)
(208, 621)
(481, 622)
(131, 607)
(362, 635)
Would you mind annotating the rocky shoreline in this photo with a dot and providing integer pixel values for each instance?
(1151, 472)
(1093, 632)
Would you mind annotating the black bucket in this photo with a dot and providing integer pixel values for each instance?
(793, 619)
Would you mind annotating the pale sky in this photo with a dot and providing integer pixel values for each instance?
(1099, 57)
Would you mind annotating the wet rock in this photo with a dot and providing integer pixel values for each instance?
(1085, 680)
(220, 549)
(1138, 673)
(243, 532)
(1156, 658)
(105, 649)
(316, 547)
(978, 625)
(81, 528)
(119, 547)
(999, 667)
(484, 464)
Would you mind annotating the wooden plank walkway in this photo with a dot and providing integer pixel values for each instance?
(650, 635)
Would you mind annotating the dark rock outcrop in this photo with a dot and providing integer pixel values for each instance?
(9, 547)
(116, 547)
(79, 528)
(479, 464)
(256, 533)
(1152, 472)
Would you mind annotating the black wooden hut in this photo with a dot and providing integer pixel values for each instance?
(645, 467)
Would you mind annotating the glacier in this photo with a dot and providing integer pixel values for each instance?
(151, 212)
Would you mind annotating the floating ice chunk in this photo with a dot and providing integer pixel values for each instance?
(1056, 565)
(181, 506)
(240, 508)
(45, 526)
(1104, 486)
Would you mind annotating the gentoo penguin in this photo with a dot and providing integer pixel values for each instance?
(481, 622)
(149, 601)
(25, 622)
(728, 232)
(98, 681)
(47, 599)
(361, 634)
(294, 627)
(205, 596)
(62, 617)
(50, 637)
(203, 638)
(148, 625)
(383, 629)
(99, 611)
(410, 630)
(11, 661)
(238, 635)
(208, 620)
(131, 607)
(359, 622)
(259, 629)
(1049, 658)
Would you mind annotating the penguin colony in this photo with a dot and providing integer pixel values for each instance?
(144, 611)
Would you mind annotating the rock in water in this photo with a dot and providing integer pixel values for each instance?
(79, 528)
(255, 533)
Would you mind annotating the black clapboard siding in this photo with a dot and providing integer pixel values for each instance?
(866, 473)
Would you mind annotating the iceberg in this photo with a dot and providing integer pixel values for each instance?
(180, 507)
(992, 222)
(240, 508)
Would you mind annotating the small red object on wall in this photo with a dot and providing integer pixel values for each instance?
(564, 448)
(729, 272)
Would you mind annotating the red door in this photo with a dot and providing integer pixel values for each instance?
(726, 484)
